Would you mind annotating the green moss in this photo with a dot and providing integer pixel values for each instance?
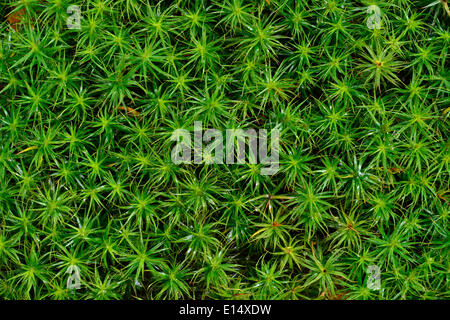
(88, 186)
